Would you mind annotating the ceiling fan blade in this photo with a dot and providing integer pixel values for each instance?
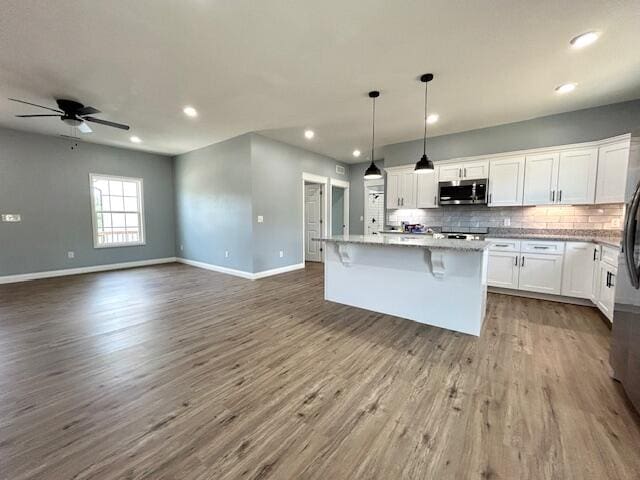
(84, 128)
(105, 122)
(43, 115)
(87, 111)
(36, 105)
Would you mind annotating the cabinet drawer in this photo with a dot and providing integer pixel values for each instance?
(503, 245)
(542, 246)
(610, 255)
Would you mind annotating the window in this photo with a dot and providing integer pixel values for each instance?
(118, 214)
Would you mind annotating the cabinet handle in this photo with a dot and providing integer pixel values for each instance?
(503, 245)
(465, 172)
(490, 197)
(516, 260)
(435, 200)
(398, 201)
(553, 196)
(540, 247)
(560, 196)
(459, 173)
(595, 254)
(607, 282)
(522, 263)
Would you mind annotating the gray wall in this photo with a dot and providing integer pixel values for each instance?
(356, 195)
(276, 178)
(571, 127)
(46, 182)
(337, 210)
(213, 204)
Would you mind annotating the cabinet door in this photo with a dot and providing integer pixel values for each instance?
(540, 273)
(595, 281)
(506, 181)
(393, 190)
(502, 269)
(448, 173)
(607, 293)
(577, 176)
(408, 182)
(540, 178)
(475, 170)
(427, 190)
(577, 270)
(611, 179)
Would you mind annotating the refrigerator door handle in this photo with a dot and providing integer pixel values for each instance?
(629, 239)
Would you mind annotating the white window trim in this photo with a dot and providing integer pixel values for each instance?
(94, 219)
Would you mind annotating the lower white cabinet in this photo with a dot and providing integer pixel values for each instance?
(540, 272)
(578, 268)
(503, 269)
(606, 289)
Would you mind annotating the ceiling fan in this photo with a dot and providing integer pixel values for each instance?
(72, 113)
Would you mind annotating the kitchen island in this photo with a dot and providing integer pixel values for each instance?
(435, 281)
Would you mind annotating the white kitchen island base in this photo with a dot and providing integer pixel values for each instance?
(444, 287)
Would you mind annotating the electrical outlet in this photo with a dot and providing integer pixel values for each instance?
(11, 217)
(226, 254)
(281, 254)
(71, 254)
(260, 219)
(181, 248)
(615, 222)
(507, 222)
(361, 218)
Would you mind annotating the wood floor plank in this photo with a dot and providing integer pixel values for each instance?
(172, 372)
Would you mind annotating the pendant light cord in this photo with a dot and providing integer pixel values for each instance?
(373, 134)
(424, 141)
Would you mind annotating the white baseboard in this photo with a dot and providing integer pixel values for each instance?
(240, 273)
(542, 296)
(25, 277)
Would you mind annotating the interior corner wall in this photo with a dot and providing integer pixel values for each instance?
(47, 183)
(214, 206)
(276, 179)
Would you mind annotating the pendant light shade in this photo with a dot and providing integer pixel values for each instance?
(373, 172)
(424, 165)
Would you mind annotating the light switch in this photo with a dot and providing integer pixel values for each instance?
(11, 217)
(71, 254)
(260, 219)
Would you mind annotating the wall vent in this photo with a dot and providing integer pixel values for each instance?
(340, 169)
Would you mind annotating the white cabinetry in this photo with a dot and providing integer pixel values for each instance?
(506, 181)
(427, 189)
(612, 172)
(578, 269)
(541, 178)
(503, 269)
(606, 291)
(401, 188)
(540, 272)
(464, 171)
(577, 176)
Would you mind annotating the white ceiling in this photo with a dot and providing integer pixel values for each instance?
(282, 66)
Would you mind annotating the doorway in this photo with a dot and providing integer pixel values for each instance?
(373, 206)
(313, 220)
(339, 202)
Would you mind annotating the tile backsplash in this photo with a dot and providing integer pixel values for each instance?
(579, 217)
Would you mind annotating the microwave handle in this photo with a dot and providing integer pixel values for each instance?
(629, 239)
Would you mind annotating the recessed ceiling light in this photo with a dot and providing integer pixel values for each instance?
(309, 134)
(566, 88)
(356, 153)
(190, 111)
(433, 118)
(584, 39)
(135, 139)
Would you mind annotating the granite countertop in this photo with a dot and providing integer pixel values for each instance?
(564, 236)
(394, 240)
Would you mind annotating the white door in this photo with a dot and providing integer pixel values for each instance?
(408, 183)
(503, 269)
(427, 190)
(393, 190)
(540, 178)
(577, 176)
(506, 181)
(475, 170)
(313, 221)
(540, 273)
(577, 270)
(448, 173)
(613, 161)
(607, 293)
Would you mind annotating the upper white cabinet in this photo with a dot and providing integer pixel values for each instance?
(506, 181)
(427, 189)
(401, 188)
(578, 270)
(541, 178)
(577, 176)
(464, 171)
(612, 172)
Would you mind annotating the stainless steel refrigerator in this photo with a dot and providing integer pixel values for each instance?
(625, 336)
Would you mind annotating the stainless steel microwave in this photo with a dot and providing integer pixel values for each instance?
(463, 192)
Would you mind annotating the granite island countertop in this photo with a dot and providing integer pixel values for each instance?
(611, 241)
(396, 240)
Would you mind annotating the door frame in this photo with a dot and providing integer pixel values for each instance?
(333, 182)
(324, 181)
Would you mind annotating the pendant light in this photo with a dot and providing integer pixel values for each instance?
(373, 172)
(424, 165)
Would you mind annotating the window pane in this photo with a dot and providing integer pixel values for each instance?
(106, 217)
(101, 186)
(117, 204)
(115, 187)
(130, 189)
(132, 220)
(99, 221)
(106, 203)
(130, 204)
(118, 220)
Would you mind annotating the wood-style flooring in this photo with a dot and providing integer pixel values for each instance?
(172, 372)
